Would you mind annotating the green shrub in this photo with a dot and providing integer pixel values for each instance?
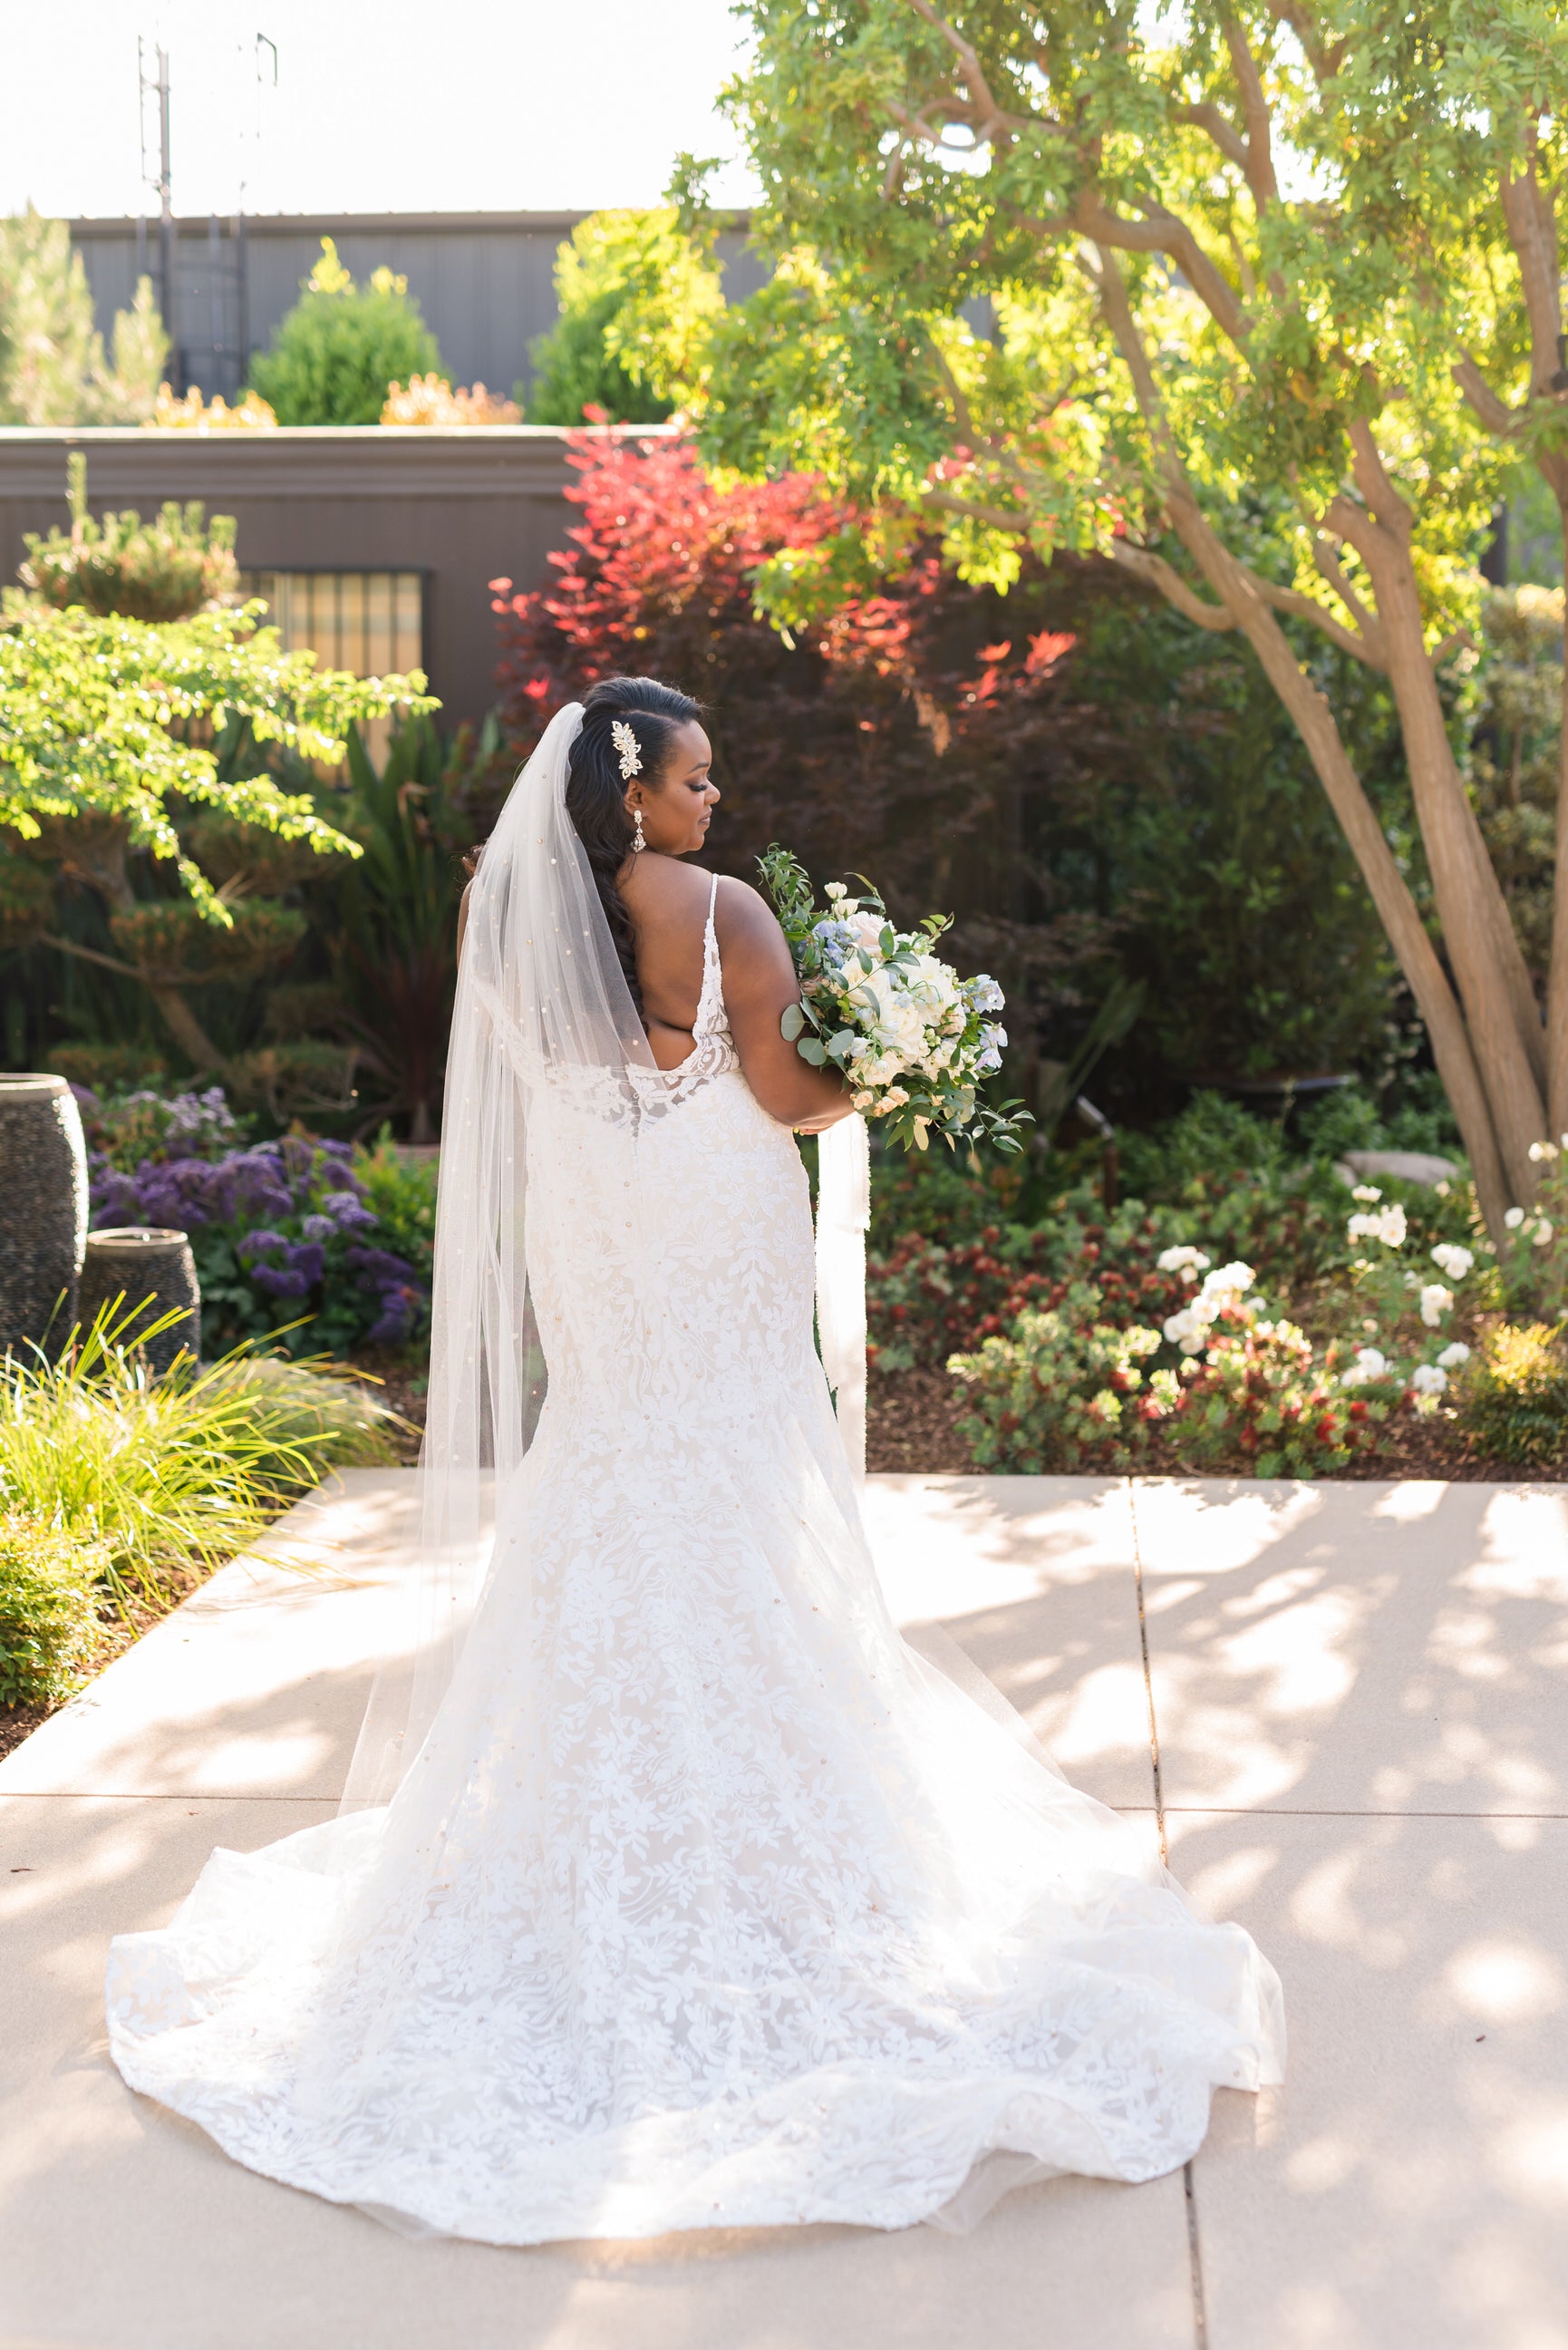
(170, 938)
(162, 570)
(333, 356)
(636, 296)
(1513, 1398)
(48, 1624)
(1055, 1393)
(109, 1068)
(401, 1193)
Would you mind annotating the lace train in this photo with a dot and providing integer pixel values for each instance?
(708, 1901)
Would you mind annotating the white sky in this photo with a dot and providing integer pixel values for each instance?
(401, 106)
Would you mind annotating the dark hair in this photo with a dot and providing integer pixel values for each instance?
(595, 789)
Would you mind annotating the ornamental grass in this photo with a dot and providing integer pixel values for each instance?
(162, 1480)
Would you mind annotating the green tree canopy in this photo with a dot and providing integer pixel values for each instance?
(333, 356)
(1260, 300)
(107, 732)
(53, 370)
(637, 293)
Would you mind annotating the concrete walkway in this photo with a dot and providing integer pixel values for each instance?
(1346, 1704)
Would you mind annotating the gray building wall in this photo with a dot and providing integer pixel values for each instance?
(461, 507)
(483, 280)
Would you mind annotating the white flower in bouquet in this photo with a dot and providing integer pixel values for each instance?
(912, 1037)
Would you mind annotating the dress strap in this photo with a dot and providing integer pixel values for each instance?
(710, 1007)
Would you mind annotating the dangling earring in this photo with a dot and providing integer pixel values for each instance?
(638, 842)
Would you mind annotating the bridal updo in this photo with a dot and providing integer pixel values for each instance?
(595, 789)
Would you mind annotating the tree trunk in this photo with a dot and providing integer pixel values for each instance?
(184, 1026)
(1493, 984)
(103, 866)
(1407, 933)
(1557, 979)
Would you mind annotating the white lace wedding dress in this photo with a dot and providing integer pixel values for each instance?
(708, 1901)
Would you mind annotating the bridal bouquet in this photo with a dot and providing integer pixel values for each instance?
(915, 1040)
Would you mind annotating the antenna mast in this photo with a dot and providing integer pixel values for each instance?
(157, 85)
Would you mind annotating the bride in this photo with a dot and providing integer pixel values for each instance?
(672, 1889)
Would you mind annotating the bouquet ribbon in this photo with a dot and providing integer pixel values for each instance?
(843, 1213)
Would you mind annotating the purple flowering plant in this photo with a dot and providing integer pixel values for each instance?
(281, 1231)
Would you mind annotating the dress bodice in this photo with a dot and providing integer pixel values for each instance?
(712, 1053)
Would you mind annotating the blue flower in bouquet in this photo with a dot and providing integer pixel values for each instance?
(983, 994)
(989, 1057)
(834, 939)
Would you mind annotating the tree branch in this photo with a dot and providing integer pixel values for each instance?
(1226, 137)
(1376, 482)
(1145, 565)
(1450, 645)
(1258, 153)
(1162, 232)
(974, 73)
(995, 517)
(1307, 608)
(1345, 519)
(1494, 412)
(91, 954)
(1532, 231)
(1331, 568)
(1325, 57)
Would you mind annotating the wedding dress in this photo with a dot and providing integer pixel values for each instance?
(701, 1898)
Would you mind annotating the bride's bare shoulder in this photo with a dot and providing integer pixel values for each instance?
(663, 890)
(741, 915)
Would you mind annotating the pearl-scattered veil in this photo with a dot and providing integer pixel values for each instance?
(544, 1020)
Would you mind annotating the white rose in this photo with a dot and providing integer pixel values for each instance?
(1387, 1226)
(1185, 1330)
(1428, 1378)
(1435, 1303)
(1190, 1261)
(1513, 1219)
(1452, 1357)
(1451, 1258)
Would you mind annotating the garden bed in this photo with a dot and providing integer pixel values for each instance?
(911, 1431)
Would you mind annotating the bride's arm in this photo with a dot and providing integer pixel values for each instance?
(759, 985)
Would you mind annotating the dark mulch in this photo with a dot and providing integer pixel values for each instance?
(909, 1418)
